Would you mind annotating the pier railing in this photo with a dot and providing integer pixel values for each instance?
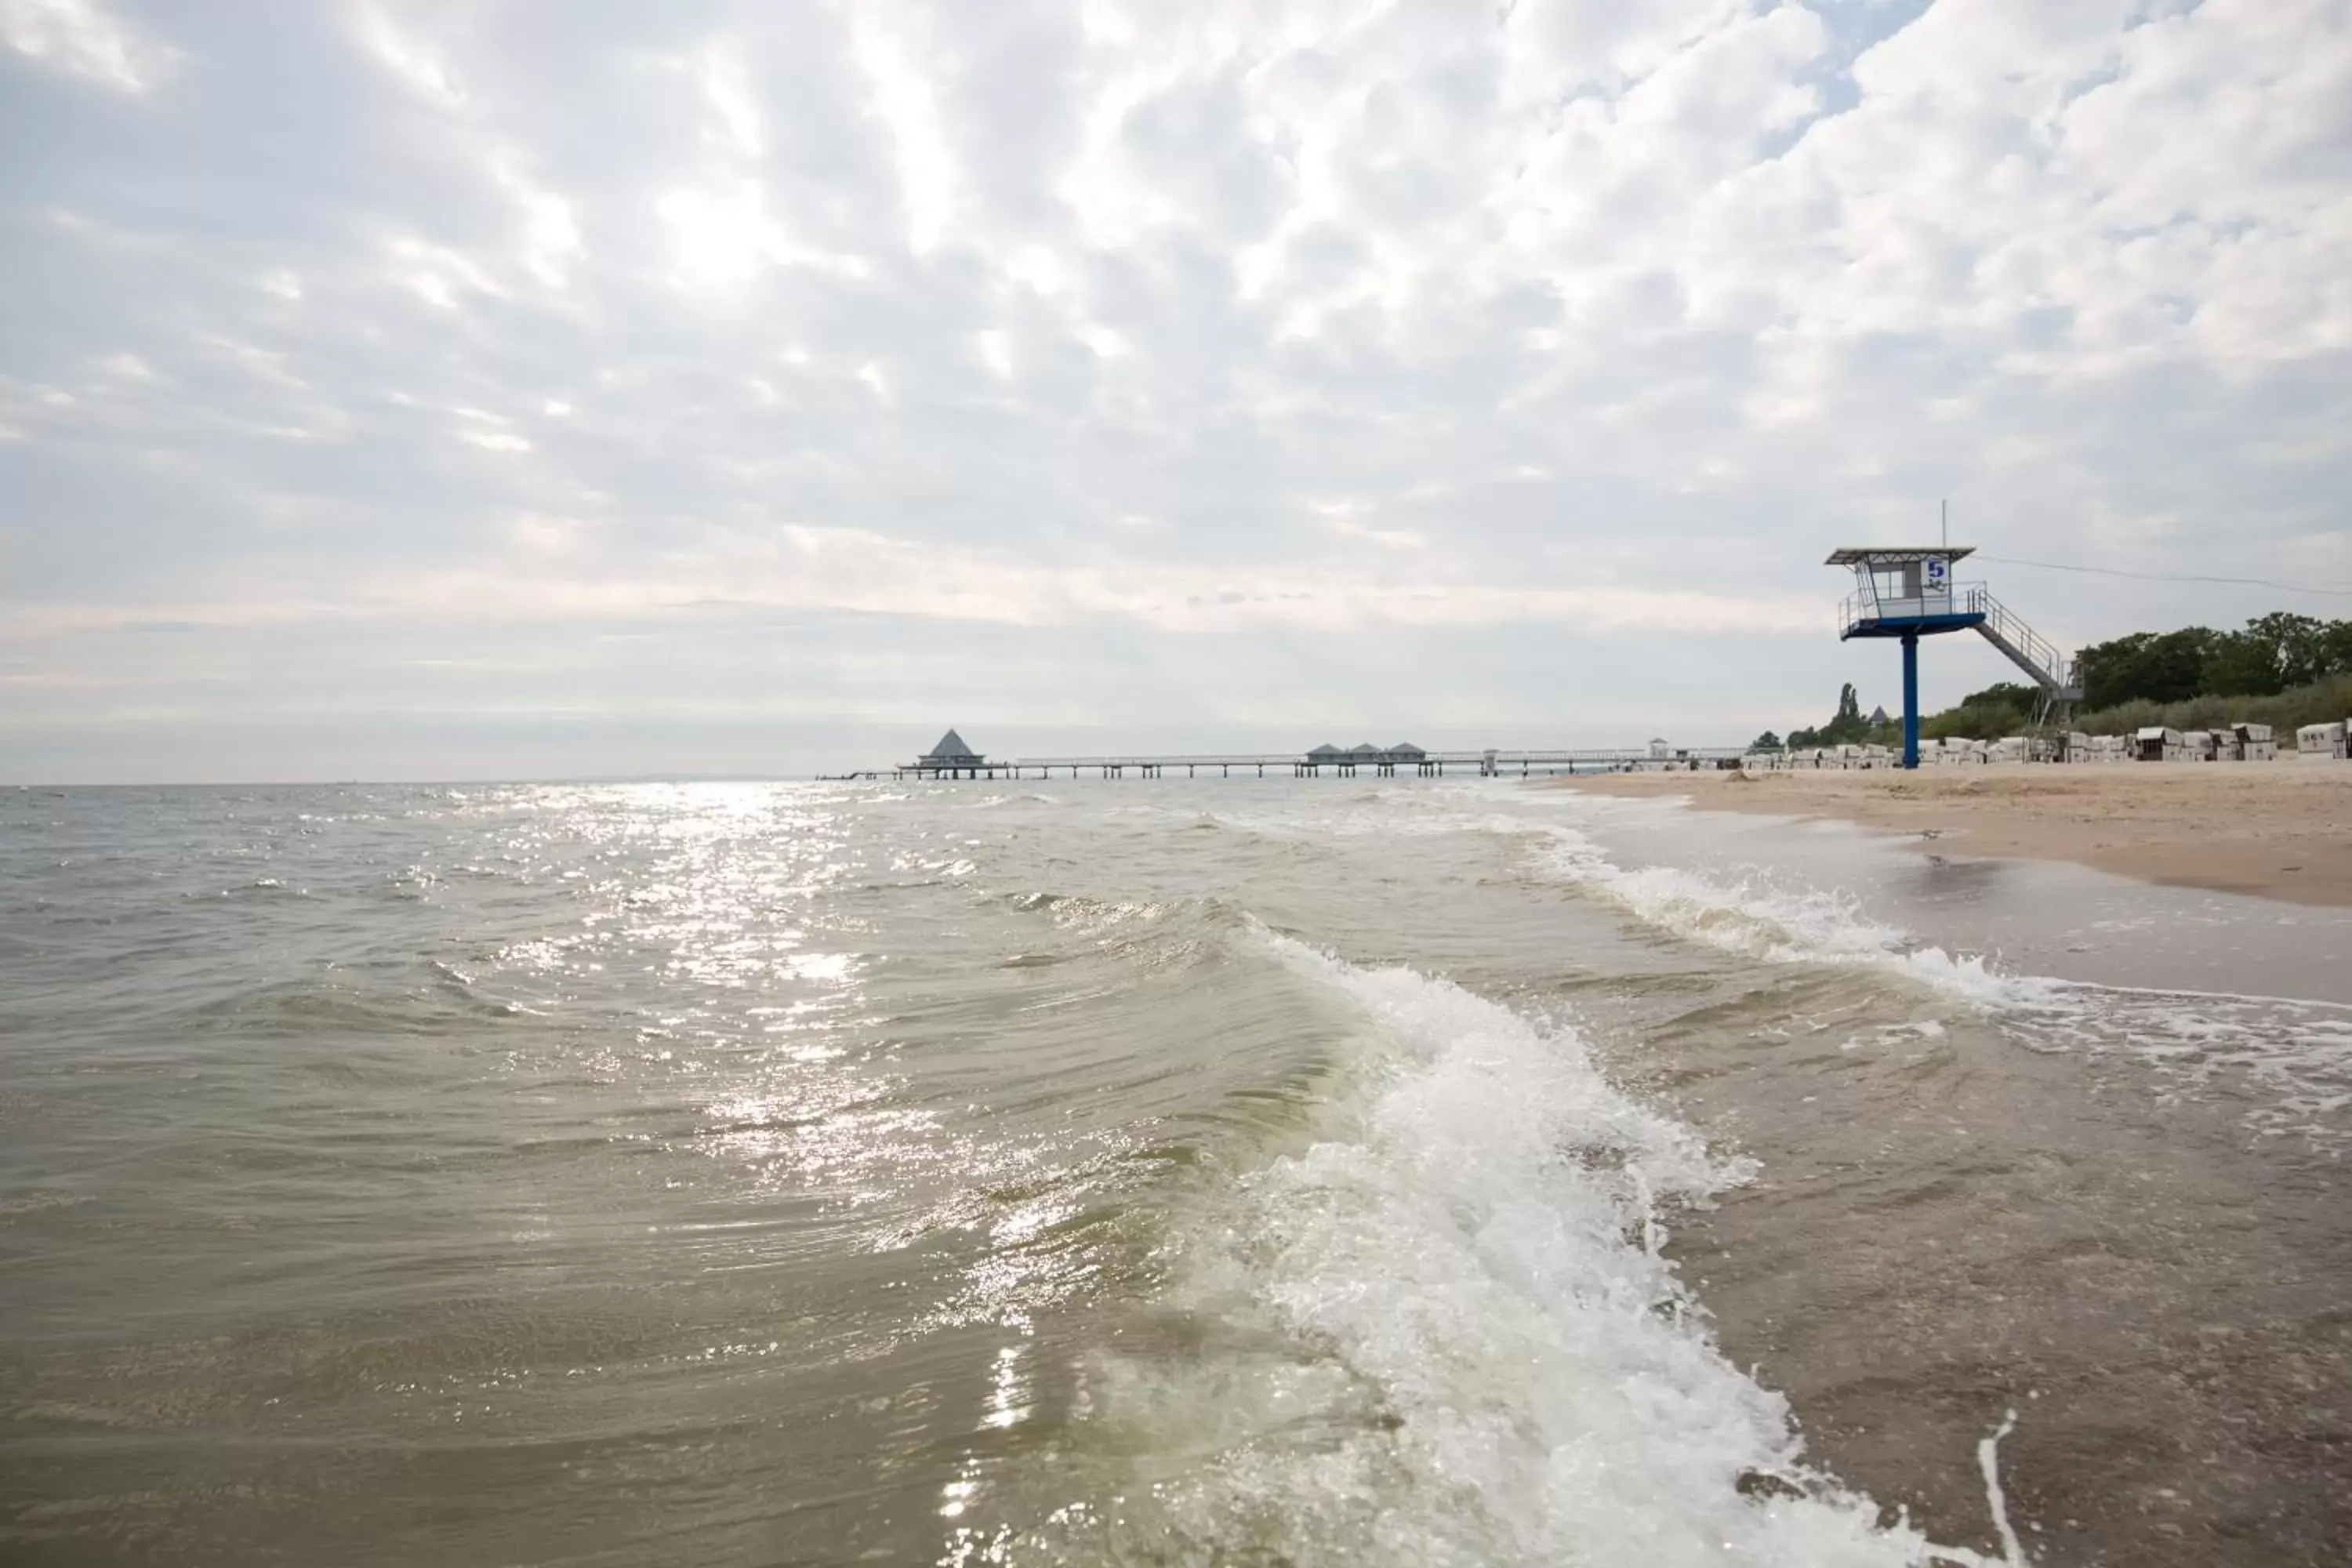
(1496, 763)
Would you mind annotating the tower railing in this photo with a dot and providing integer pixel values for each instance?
(1868, 606)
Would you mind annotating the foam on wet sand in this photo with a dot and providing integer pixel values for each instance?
(2275, 830)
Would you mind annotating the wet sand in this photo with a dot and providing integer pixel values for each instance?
(2156, 1294)
(2275, 830)
(2107, 1211)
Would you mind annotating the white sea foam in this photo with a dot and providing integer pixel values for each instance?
(1751, 916)
(2298, 1051)
(2295, 1055)
(1462, 1342)
(1989, 1466)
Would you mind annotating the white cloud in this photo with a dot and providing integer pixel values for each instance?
(409, 59)
(1304, 333)
(550, 247)
(81, 37)
(724, 236)
(726, 84)
(905, 103)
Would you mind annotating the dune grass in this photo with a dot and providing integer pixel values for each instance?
(2321, 702)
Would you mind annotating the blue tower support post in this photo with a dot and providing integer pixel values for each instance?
(1911, 699)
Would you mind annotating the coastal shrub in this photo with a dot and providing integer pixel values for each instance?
(2005, 709)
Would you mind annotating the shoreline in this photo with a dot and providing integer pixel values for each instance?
(2277, 830)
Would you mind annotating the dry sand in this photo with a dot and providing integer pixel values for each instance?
(2277, 830)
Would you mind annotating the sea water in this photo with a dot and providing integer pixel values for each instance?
(1289, 1171)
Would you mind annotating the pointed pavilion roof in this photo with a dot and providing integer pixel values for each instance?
(950, 749)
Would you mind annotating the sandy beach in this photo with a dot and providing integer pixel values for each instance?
(2277, 830)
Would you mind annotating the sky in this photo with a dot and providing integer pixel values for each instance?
(410, 389)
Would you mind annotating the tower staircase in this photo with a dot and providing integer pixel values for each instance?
(2053, 670)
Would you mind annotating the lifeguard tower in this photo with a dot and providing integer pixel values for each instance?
(1910, 594)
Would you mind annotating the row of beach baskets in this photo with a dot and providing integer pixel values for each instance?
(2232, 743)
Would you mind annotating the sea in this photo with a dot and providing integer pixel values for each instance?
(1235, 1172)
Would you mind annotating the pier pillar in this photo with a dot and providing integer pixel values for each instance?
(1911, 699)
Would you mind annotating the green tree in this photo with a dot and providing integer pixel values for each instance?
(2110, 669)
(1767, 742)
(2298, 646)
(2244, 664)
(2147, 666)
(2336, 648)
(1848, 728)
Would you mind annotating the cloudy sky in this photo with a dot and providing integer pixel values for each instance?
(406, 389)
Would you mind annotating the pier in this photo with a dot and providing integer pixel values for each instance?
(1399, 762)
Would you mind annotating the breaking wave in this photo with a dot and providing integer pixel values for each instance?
(1446, 1331)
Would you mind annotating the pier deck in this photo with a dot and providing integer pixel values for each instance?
(1495, 764)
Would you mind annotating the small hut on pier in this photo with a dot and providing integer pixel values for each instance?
(951, 758)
